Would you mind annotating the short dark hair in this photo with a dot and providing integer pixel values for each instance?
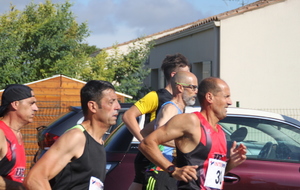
(92, 91)
(209, 84)
(171, 62)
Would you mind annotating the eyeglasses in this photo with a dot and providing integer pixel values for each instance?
(193, 87)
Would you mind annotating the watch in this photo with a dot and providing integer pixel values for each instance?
(171, 170)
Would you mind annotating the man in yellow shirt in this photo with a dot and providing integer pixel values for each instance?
(150, 104)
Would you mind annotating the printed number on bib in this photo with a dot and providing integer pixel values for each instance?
(96, 184)
(215, 173)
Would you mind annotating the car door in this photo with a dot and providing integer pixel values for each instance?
(273, 154)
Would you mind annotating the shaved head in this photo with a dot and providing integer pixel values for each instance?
(183, 77)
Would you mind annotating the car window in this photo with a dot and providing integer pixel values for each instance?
(119, 141)
(265, 139)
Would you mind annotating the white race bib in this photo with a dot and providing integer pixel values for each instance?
(96, 184)
(215, 173)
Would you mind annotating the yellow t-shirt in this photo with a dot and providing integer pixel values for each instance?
(148, 104)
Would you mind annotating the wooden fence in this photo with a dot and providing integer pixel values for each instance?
(48, 112)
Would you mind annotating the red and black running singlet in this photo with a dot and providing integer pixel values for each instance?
(212, 145)
(13, 165)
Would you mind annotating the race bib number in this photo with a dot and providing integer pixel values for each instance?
(215, 173)
(96, 184)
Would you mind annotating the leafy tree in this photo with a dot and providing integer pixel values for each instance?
(89, 49)
(126, 70)
(130, 70)
(97, 69)
(44, 39)
(41, 41)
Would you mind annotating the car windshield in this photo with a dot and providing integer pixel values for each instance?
(265, 139)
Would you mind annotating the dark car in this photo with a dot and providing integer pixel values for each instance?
(273, 151)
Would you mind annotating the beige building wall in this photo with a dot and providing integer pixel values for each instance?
(260, 56)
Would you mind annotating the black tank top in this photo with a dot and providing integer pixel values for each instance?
(76, 175)
(163, 96)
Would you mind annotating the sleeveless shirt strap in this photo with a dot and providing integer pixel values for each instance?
(77, 127)
(208, 137)
(7, 165)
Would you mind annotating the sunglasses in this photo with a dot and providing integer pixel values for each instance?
(193, 87)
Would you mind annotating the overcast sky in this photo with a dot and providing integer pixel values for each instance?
(118, 21)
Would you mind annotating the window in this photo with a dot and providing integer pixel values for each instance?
(202, 69)
(264, 139)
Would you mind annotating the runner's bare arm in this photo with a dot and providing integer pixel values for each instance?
(171, 130)
(69, 146)
(129, 119)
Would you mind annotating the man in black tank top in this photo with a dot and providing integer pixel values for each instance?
(150, 104)
(77, 160)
